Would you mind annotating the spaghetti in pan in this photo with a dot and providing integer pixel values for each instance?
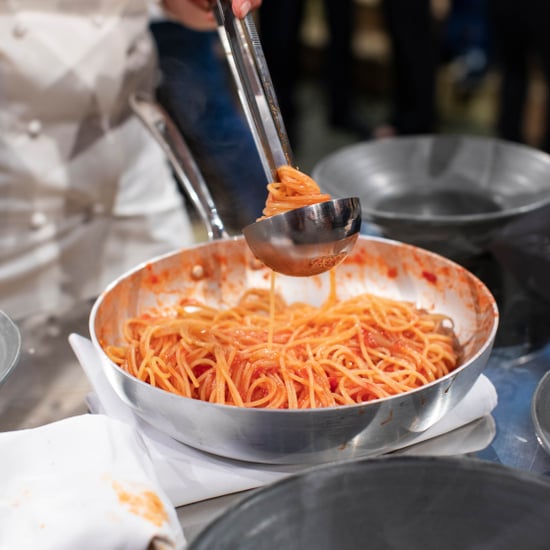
(264, 352)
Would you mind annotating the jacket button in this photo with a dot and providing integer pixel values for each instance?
(19, 31)
(98, 209)
(38, 220)
(34, 128)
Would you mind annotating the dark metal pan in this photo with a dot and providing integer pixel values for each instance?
(410, 503)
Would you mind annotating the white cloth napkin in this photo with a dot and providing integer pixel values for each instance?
(189, 475)
(85, 482)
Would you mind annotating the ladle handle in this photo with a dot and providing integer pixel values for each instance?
(255, 88)
(166, 133)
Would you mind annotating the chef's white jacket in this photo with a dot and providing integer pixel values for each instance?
(85, 192)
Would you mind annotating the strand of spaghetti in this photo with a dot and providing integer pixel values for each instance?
(268, 388)
(207, 380)
(292, 398)
(271, 310)
(189, 379)
(293, 189)
(313, 386)
(332, 297)
(224, 380)
(354, 377)
(165, 376)
(186, 378)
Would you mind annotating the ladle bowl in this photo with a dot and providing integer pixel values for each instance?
(308, 240)
(302, 242)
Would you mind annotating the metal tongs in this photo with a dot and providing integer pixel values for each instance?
(301, 242)
(246, 59)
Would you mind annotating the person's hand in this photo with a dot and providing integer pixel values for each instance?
(242, 7)
(179, 7)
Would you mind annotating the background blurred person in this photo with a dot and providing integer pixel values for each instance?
(466, 44)
(280, 22)
(521, 39)
(411, 29)
(85, 192)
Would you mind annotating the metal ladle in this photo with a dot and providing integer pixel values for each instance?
(305, 241)
(311, 260)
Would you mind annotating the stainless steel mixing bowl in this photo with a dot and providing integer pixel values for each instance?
(219, 271)
(447, 193)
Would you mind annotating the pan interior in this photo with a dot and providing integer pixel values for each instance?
(442, 202)
(217, 273)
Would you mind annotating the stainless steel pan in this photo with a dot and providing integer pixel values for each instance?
(219, 271)
(447, 193)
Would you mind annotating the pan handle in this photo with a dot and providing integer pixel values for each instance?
(166, 133)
